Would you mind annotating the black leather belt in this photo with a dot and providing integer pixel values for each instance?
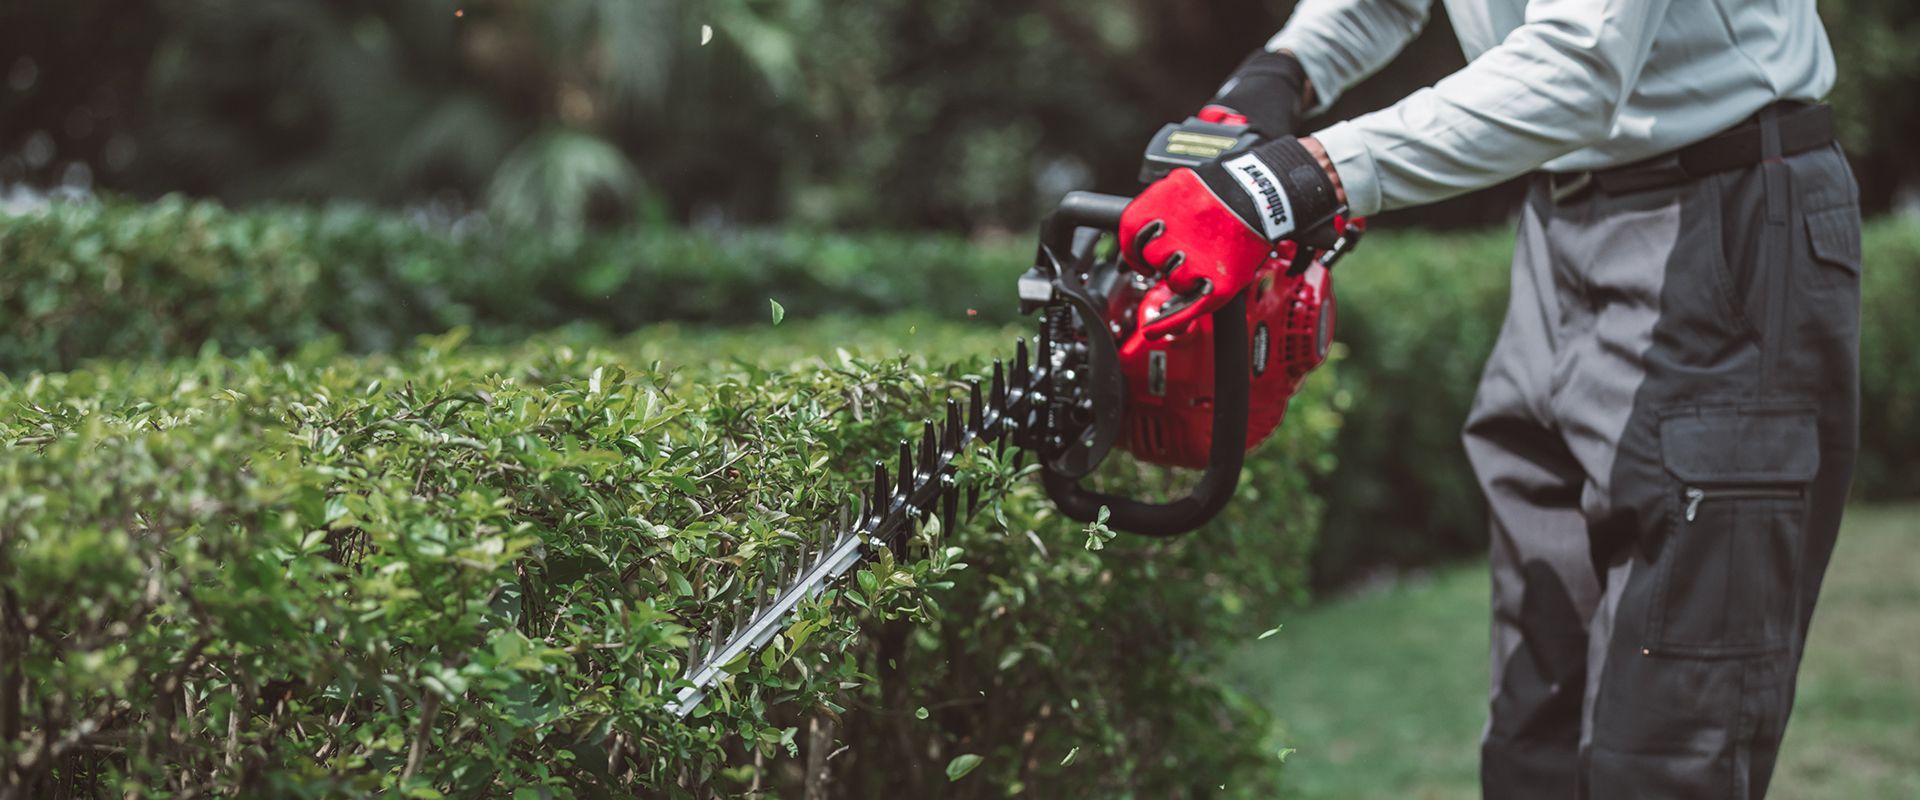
(1803, 127)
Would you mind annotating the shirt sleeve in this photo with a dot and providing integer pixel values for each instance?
(1553, 86)
(1341, 42)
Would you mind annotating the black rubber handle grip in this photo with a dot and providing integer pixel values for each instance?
(1081, 210)
(1231, 379)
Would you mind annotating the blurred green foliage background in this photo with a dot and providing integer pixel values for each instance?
(566, 113)
(280, 180)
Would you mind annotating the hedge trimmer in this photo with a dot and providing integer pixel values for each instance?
(1198, 399)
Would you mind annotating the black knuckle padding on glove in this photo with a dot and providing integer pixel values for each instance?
(1266, 89)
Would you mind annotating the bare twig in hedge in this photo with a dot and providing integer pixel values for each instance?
(233, 731)
(615, 752)
(819, 742)
(339, 719)
(428, 709)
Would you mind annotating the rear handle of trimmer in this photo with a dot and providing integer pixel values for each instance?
(1230, 402)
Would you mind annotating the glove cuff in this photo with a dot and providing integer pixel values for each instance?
(1265, 89)
(1279, 190)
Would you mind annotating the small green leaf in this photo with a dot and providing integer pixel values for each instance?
(961, 765)
(779, 311)
(1070, 754)
(920, 713)
(1010, 658)
(1284, 752)
(1271, 631)
(797, 635)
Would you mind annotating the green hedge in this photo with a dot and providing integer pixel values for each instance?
(1889, 362)
(114, 278)
(471, 571)
(1419, 313)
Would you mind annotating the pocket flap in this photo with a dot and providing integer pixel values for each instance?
(1741, 445)
(1835, 236)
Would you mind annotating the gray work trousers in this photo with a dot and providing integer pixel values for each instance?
(1665, 433)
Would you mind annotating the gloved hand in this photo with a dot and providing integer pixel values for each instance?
(1208, 228)
(1267, 89)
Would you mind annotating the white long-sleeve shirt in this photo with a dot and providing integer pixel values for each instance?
(1566, 85)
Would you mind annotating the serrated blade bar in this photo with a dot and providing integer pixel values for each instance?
(760, 629)
(886, 518)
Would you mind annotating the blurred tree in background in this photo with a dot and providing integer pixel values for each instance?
(569, 113)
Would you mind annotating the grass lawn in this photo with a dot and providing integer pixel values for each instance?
(1384, 693)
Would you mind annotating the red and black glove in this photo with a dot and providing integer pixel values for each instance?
(1266, 90)
(1208, 228)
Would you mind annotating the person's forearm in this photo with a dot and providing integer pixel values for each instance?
(1551, 87)
(1339, 42)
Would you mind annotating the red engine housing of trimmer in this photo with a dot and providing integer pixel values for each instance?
(1169, 417)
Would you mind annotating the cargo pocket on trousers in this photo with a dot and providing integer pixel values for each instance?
(1833, 237)
(1727, 581)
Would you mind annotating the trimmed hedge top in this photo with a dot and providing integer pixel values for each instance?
(473, 571)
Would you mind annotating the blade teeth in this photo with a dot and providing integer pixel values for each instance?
(881, 485)
(998, 394)
(928, 453)
(718, 638)
(976, 408)
(949, 499)
(950, 435)
(1021, 368)
(973, 500)
(904, 539)
(906, 470)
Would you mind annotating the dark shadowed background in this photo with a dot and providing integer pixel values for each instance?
(958, 115)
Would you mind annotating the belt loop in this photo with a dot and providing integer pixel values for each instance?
(1565, 186)
(1772, 170)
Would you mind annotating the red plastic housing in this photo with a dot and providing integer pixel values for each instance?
(1170, 380)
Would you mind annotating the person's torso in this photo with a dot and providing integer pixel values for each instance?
(1713, 64)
